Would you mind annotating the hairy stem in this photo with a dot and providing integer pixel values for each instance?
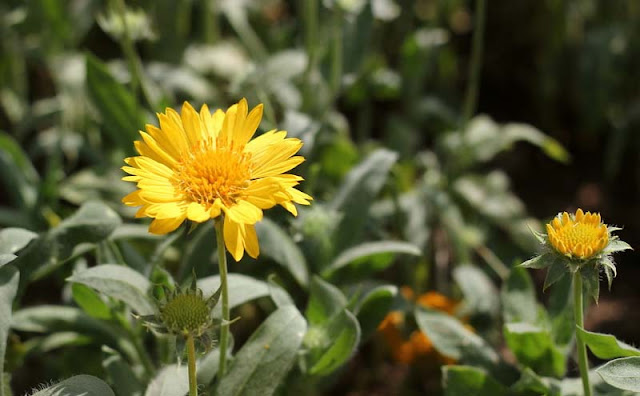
(222, 264)
(579, 319)
(191, 355)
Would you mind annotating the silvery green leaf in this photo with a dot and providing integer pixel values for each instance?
(79, 385)
(538, 262)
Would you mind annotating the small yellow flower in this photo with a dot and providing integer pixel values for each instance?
(580, 236)
(199, 166)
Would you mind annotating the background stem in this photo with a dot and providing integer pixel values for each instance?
(191, 355)
(471, 99)
(579, 319)
(222, 264)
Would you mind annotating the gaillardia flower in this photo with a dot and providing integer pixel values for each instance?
(580, 236)
(199, 166)
(578, 242)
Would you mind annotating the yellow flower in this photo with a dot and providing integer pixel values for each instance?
(199, 166)
(579, 236)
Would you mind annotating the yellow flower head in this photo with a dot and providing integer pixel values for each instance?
(580, 236)
(199, 166)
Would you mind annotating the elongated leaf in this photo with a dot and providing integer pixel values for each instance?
(115, 103)
(266, 358)
(242, 289)
(277, 245)
(373, 308)
(14, 239)
(92, 223)
(452, 339)
(18, 175)
(480, 294)
(534, 348)
(119, 282)
(360, 188)
(606, 346)
(9, 279)
(374, 256)
(90, 301)
(80, 385)
(341, 337)
(172, 380)
(623, 373)
(326, 300)
(519, 297)
(51, 318)
(120, 374)
(467, 380)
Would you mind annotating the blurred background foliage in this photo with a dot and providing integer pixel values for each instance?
(409, 181)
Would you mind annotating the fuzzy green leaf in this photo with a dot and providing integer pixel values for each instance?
(480, 294)
(325, 301)
(90, 301)
(278, 245)
(467, 380)
(369, 257)
(452, 339)
(519, 297)
(9, 279)
(606, 346)
(360, 188)
(13, 240)
(266, 358)
(241, 289)
(120, 373)
(78, 386)
(623, 373)
(172, 380)
(119, 282)
(339, 337)
(533, 346)
(373, 308)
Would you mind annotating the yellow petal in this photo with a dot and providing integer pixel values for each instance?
(191, 124)
(164, 226)
(248, 129)
(244, 212)
(251, 241)
(579, 215)
(197, 212)
(233, 239)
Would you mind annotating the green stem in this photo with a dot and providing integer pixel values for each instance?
(210, 22)
(222, 264)
(310, 18)
(135, 64)
(191, 355)
(579, 319)
(336, 61)
(475, 65)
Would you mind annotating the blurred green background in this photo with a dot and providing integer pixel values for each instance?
(78, 78)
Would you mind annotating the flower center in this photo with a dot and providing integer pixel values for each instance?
(582, 237)
(186, 313)
(208, 173)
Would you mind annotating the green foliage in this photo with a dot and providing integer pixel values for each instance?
(623, 373)
(263, 362)
(407, 191)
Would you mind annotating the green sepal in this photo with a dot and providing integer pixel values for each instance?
(591, 279)
(555, 272)
(538, 262)
(215, 297)
(616, 245)
(609, 269)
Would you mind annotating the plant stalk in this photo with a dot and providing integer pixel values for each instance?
(471, 99)
(578, 315)
(191, 355)
(222, 264)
